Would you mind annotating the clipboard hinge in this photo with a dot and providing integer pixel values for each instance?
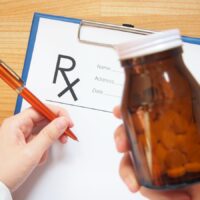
(128, 25)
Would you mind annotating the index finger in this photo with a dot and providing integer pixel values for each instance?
(29, 118)
(121, 140)
(35, 117)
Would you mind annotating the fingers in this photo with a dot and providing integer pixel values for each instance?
(121, 140)
(36, 117)
(48, 135)
(165, 195)
(43, 123)
(127, 173)
(30, 113)
(117, 112)
(28, 120)
(126, 168)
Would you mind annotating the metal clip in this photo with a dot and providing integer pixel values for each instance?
(111, 27)
(11, 71)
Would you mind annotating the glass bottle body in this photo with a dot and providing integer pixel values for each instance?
(161, 113)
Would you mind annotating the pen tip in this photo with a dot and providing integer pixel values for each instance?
(76, 139)
(71, 135)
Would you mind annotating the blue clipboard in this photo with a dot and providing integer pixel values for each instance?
(33, 34)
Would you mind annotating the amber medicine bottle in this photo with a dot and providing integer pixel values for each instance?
(161, 111)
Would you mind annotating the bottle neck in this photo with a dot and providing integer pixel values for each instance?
(138, 64)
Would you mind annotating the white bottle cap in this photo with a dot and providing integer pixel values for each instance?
(150, 44)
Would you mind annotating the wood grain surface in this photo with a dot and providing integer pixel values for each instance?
(16, 18)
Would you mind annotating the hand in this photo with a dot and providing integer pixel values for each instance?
(24, 141)
(128, 175)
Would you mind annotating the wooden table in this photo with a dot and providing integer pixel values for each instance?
(16, 17)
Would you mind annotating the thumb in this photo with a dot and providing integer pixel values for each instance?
(48, 135)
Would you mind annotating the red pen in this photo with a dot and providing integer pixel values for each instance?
(16, 83)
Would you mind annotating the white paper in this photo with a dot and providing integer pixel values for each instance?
(87, 169)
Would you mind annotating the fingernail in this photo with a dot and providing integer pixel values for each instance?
(61, 123)
(131, 183)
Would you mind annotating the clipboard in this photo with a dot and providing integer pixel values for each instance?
(82, 23)
(88, 170)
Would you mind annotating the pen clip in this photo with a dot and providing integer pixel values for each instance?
(11, 71)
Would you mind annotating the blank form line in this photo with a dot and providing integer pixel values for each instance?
(116, 71)
(69, 104)
(111, 95)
